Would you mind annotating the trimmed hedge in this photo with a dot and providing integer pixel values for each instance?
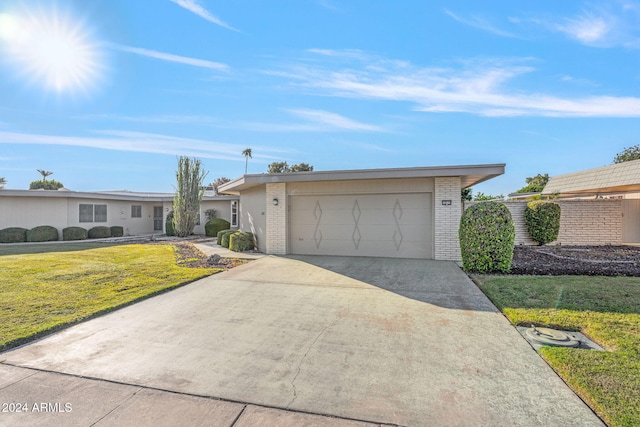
(486, 237)
(543, 221)
(219, 235)
(116, 231)
(43, 233)
(213, 226)
(224, 239)
(241, 241)
(169, 228)
(74, 233)
(13, 235)
(99, 232)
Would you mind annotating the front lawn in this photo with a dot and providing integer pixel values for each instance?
(42, 292)
(607, 309)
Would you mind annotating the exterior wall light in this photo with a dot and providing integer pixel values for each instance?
(275, 202)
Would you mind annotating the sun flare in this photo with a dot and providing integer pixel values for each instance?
(51, 49)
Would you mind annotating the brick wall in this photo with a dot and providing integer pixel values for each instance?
(447, 219)
(276, 233)
(582, 222)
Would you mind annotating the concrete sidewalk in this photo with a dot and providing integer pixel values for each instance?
(386, 341)
(38, 398)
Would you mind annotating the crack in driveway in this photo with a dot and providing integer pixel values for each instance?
(295, 377)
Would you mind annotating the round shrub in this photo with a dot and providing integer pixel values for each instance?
(116, 231)
(213, 226)
(43, 233)
(169, 228)
(219, 235)
(543, 221)
(486, 237)
(74, 233)
(99, 232)
(241, 241)
(224, 239)
(13, 235)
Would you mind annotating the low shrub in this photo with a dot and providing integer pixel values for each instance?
(116, 231)
(74, 233)
(13, 235)
(169, 228)
(99, 232)
(213, 226)
(224, 239)
(543, 221)
(219, 235)
(43, 233)
(241, 241)
(486, 237)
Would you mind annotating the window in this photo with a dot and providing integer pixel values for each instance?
(92, 213)
(136, 211)
(234, 213)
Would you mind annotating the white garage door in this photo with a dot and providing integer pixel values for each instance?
(379, 225)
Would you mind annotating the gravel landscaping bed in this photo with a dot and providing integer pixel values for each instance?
(577, 260)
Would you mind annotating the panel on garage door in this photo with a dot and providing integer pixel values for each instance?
(381, 225)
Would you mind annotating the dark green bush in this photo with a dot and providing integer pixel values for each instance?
(213, 226)
(169, 227)
(224, 239)
(116, 231)
(74, 233)
(99, 232)
(13, 235)
(241, 241)
(543, 221)
(219, 235)
(486, 237)
(43, 233)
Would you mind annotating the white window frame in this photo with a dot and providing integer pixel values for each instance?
(93, 212)
(138, 208)
(234, 213)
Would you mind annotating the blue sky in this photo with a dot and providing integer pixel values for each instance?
(106, 94)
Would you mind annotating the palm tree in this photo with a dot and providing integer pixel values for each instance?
(247, 155)
(44, 174)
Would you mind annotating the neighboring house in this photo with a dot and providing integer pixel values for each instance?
(617, 181)
(405, 213)
(600, 206)
(137, 213)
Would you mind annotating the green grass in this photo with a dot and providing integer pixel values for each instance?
(42, 292)
(607, 309)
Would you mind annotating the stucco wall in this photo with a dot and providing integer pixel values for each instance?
(253, 215)
(582, 222)
(30, 212)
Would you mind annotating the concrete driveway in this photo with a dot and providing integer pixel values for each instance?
(394, 341)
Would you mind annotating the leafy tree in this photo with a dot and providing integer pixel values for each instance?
(50, 184)
(218, 182)
(535, 184)
(466, 194)
(3, 182)
(247, 155)
(189, 192)
(481, 197)
(629, 153)
(283, 167)
(44, 183)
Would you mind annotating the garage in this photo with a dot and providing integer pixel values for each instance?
(378, 225)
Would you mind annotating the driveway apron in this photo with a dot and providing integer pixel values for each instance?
(397, 341)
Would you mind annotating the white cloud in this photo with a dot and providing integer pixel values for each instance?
(587, 28)
(479, 87)
(120, 140)
(479, 23)
(172, 58)
(194, 7)
(314, 121)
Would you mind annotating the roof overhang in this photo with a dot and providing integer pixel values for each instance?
(469, 174)
(105, 195)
